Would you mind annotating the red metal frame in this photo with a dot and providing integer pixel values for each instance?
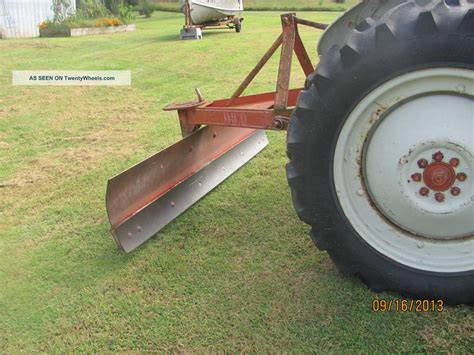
(263, 111)
(145, 198)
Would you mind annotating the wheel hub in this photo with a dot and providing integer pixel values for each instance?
(439, 177)
(435, 181)
(403, 166)
(427, 190)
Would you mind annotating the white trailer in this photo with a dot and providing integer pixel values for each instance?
(200, 14)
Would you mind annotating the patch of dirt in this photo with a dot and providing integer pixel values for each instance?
(23, 179)
(69, 162)
(30, 44)
(106, 126)
(4, 145)
(445, 334)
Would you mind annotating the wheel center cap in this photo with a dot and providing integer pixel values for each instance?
(439, 176)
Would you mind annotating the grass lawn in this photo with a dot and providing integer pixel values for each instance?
(235, 272)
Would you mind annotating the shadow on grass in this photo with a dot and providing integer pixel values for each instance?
(169, 38)
(206, 33)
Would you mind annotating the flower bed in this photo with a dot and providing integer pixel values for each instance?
(74, 32)
(77, 26)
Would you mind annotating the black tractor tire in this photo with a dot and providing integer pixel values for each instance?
(415, 35)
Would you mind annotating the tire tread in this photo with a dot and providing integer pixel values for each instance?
(321, 109)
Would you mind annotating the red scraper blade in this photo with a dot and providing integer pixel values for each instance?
(145, 198)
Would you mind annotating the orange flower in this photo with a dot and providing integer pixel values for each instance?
(107, 22)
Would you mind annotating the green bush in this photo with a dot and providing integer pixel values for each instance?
(79, 22)
(89, 13)
(125, 13)
(117, 7)
(113, 5)
(145, 8)
(51, 28)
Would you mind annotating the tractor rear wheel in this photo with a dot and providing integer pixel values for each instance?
(381, 152)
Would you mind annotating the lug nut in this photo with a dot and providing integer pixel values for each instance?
(416, 177)
(439, 197)
(461, 177)
(438, 156)
(454, 162)
(424, 191)
(422, 163)
(455, 191)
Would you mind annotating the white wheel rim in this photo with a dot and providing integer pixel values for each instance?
(387, 156)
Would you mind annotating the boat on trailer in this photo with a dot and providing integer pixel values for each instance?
(212, 11)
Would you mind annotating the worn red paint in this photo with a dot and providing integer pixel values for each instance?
(136, 188)
(439, 176)
(262, 111)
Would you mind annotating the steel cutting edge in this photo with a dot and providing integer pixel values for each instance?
(145, 198)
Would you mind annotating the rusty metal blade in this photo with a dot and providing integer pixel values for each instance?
(145, 198)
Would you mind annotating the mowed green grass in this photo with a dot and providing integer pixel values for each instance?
(276, 5)
(236, 272)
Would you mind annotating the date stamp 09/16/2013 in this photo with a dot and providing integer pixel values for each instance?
(407, 306)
